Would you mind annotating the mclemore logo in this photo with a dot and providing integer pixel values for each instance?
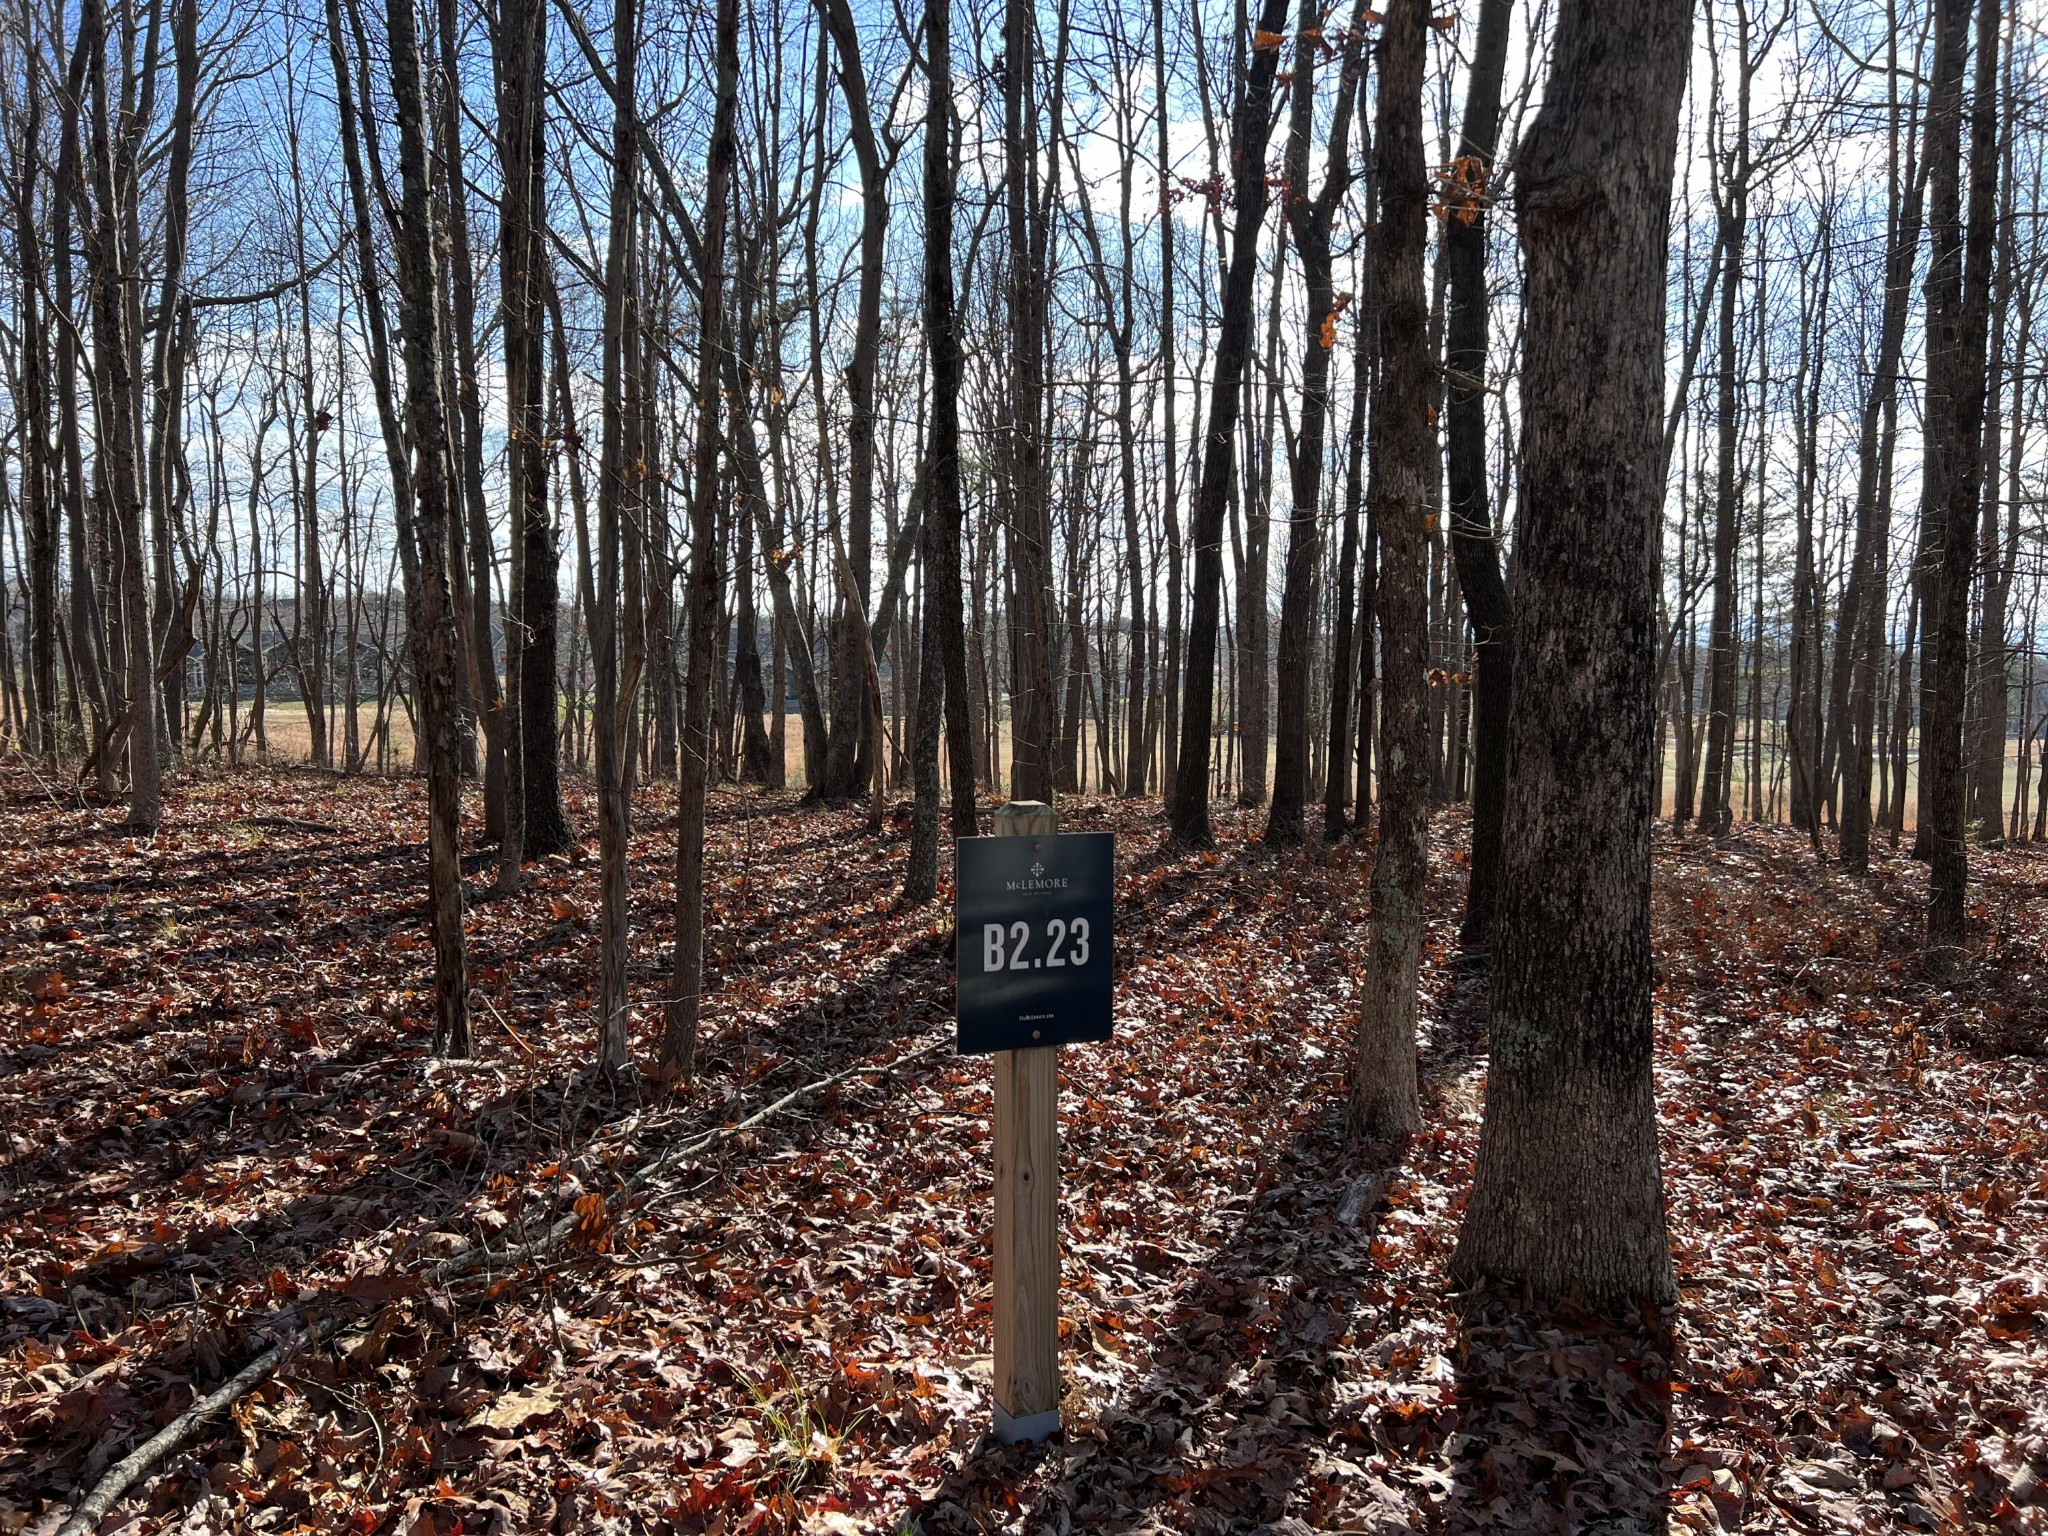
(1035, 883)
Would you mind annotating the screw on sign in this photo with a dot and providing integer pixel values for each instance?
(1034, 925)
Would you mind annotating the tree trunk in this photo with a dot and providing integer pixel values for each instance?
(1251, 125)
(1383, 1087)
(523, 272)
(1344, 641)
(1169, 700)
(686, 992)
(1567, 1198)
(938, 689)
(1716, 806)
(847, 764)
(1958, 312)
(617, 500)
(117, 467)
(1310, 220)
(39, 501)
(434, 641)
(1471, 521)
(1860, 623)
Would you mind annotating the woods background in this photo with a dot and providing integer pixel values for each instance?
(202, 372)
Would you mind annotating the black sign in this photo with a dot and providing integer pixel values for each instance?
(1033, 928)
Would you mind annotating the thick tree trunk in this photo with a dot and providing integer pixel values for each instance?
(117, 466)
(1383, 1085)
(1567, 1198)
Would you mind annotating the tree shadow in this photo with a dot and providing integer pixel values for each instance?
(1257, 1403)
(1561, 1421)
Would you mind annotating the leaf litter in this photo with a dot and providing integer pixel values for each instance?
(223, 1131)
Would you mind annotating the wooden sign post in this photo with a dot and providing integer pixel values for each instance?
(1033, 930)
(1027, 1235)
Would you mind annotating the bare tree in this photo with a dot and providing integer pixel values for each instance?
(686, 994)
(1251, 126)
(1567, 1197)
(1383, 1089)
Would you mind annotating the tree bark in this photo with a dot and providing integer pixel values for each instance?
(522, 274)
(1958, 312)
(1860, 621)
(1383, 1085)
(434, 641)
(1567, 1197)
(942, 667)
(117, 467)
(846, 764)
(1471, 521)
(615, 678)
(686, 991)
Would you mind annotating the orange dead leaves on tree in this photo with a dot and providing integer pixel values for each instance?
(1461, 189)
(1329, 336)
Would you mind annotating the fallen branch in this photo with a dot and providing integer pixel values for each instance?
(106, 1493)
(130, 1469)
(289, 823)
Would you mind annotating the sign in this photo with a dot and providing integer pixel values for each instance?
(1034, 921)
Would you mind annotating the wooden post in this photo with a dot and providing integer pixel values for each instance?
(1027, 1244)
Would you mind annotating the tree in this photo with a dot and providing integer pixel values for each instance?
(1383, 1090)
(1567, 1197)
(1309, 218)
(521, 41)
(1958, 311)
(686, 992)
(112, 263)
(1034, 713)
(435, 643)
(1469, 194)
(1850, 744)
(38, 496)
(616, 666)
(848, 763)
(1251, 124)
(942, 663)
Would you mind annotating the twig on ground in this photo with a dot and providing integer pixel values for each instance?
(130, 1469)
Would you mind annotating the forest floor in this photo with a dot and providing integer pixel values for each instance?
(223, 1129)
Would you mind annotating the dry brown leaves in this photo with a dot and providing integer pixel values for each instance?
(222, 1126)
